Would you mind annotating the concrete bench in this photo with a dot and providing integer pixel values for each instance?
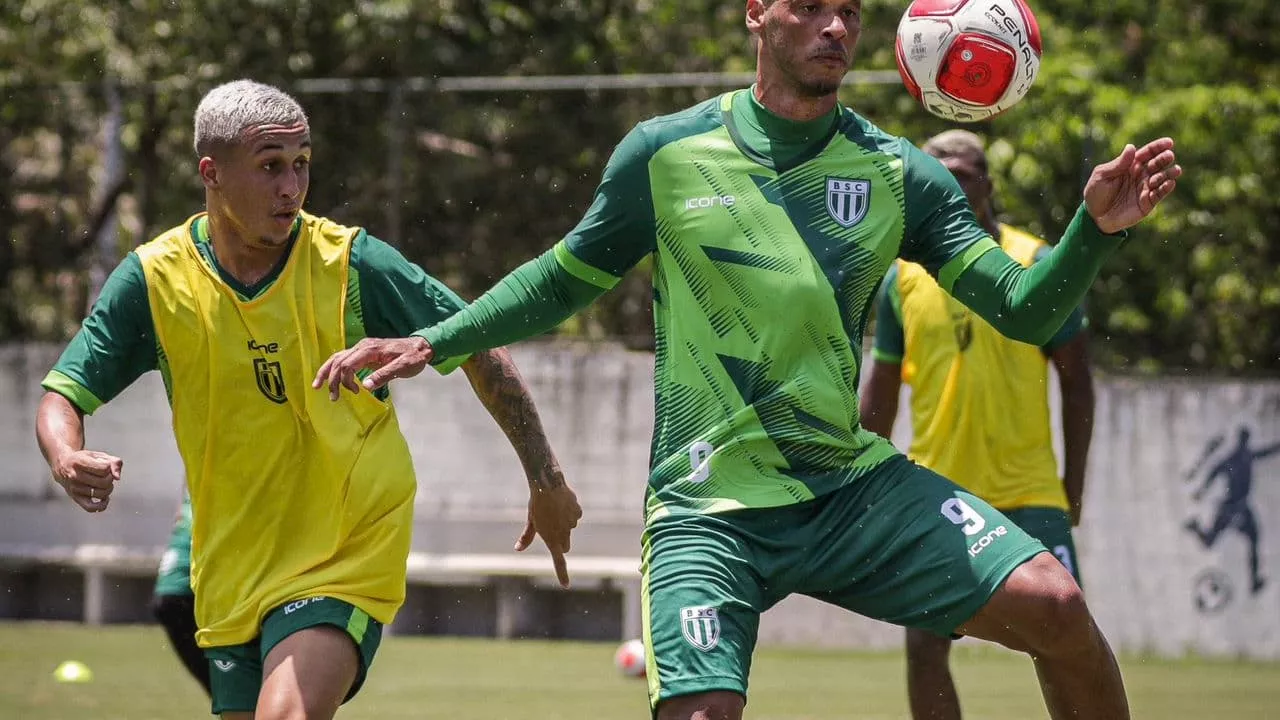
(515, 587)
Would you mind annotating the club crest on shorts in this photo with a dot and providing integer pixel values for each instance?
(270, 379)
(701, 627)
(848, 200)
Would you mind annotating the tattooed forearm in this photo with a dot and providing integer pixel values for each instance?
(498, 384)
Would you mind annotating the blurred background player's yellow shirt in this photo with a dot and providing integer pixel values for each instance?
(293, 495)
(979, 401)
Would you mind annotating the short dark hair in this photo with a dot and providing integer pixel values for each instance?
(957, 143)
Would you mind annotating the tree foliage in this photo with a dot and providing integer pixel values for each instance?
(471, 184)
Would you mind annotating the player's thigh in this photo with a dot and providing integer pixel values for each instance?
(702, 599)
(308, 674)
(907, 546)
(235, 678)
(320, 649)
(1052, 527)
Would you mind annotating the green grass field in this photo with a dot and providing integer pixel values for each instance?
(136, 678)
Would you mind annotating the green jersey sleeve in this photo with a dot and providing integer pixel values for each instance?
(941, 232)
(618, 229)
(1076, 322)
(1031, 304)
(116, 343)
(396, 296)
(890, 340)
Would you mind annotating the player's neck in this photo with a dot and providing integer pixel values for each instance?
(782, 100)
(245, 261)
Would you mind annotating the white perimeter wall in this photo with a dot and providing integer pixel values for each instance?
(1153, 584)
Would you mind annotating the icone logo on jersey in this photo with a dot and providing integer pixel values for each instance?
(709, 202)
(299, 604)
(986, 540)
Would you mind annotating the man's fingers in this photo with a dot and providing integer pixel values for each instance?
(1119, 165)
(329, 372)
(322, 375)
(97, 464)
(562, 568)
(385, 374)
(92, 502)
(100, 483)
(1154, 149)
(526, 538)
(1160, 162)
(350, 382)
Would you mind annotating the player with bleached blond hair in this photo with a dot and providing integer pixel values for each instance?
(301, 508)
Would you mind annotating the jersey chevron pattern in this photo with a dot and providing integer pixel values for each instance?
(764, 275)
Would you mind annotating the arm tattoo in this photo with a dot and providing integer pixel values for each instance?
(498, 385)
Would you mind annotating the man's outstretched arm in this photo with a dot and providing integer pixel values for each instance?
(553, 506)
(615, 234)
(1031, 304)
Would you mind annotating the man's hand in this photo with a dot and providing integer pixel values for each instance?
(1120, 193)
(553, 513)
(391, 357)
(88, 477)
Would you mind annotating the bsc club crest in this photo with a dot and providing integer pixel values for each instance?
(848, 200)
(701, 627)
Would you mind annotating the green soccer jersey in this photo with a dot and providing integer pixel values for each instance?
(768, 255)
(387, 296)
(769, 239)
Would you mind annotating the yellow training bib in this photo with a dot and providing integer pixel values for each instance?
(292, 495)
(979, 401)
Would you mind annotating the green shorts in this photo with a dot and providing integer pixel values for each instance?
(1052, 527)
(235, 671)
(903, 544)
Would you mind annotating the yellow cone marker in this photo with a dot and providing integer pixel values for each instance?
(73, 671)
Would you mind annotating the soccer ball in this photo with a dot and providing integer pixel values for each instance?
(967, 60)
(629, 658)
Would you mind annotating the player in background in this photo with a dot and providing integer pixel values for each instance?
(979, 405)
(302, 508)
(773, 214)
(173, 604)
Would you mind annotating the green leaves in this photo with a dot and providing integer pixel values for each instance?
(472, 184)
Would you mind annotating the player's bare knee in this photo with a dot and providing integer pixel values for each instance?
(717, 705)
(1058, 621)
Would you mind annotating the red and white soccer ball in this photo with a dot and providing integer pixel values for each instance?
(967, 60)
(629, 658)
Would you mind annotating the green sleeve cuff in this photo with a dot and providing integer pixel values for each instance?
(581, 270)
(78, 394)
(445, 365)
(1086, 229)
(956, 267)
(450, 364)
(887, 358)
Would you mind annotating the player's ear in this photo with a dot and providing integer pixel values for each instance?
(209, 172)
(755, 15)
